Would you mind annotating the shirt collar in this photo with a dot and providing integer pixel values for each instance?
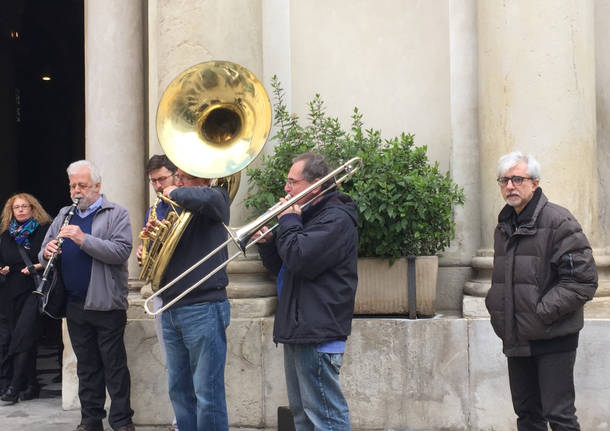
(91, 209)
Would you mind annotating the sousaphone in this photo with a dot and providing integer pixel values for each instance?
(212, 121)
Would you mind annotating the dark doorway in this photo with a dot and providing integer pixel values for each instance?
(42, 122)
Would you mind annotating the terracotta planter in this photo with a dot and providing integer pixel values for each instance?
(383, 289)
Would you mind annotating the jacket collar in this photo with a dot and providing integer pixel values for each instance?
(526, 221)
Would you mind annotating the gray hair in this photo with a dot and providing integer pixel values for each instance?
(315, 166)
(96, 176)
(511, 160)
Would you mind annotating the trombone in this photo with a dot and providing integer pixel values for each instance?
(241, 235)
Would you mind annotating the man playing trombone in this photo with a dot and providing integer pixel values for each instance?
(194, 327)
(314, 255)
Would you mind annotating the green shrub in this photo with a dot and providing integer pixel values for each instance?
(405, 202)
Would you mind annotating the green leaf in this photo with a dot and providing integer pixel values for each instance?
(405, 202)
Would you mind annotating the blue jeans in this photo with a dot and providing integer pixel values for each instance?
(314, 390)
(196, 348)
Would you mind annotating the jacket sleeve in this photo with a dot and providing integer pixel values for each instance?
(576, 274)
(310, 251)
(117, 247)
(211, 202)
(271, 259)
(51, 235)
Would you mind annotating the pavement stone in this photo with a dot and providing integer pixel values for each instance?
(46, 414)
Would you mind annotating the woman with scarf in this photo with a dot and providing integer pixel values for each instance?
(23, 226)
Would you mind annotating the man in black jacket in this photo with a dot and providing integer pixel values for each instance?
(543, 274)
(194, 327)
(314, 255)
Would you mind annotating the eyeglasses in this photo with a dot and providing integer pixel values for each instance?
(160, 179)
(21, 207)
(292, 182)
(515, 179)
(80, 186)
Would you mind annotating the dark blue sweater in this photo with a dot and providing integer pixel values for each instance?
(75, 263)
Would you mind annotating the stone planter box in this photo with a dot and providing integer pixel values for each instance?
(383, 289)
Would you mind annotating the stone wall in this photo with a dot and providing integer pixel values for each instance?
(432, 374)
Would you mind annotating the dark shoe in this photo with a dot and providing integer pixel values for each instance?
(128, 427)
(11, 396)
(30, 393)
(90, 427)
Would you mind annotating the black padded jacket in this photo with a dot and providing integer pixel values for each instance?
(543, 274)
(319, 251)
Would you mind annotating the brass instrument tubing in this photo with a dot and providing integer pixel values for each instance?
(256, 225)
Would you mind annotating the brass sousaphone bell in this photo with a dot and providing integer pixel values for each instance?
(212, 121)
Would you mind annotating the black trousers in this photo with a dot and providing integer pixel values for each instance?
(25, 323)
(542, 389)
(6, 365)
(97, 339)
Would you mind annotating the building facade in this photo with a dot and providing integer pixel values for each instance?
(471, 79)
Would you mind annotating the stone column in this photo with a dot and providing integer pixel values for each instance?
(182, 34)
(191, 32)
(464, 161)
(537, 95)
(114, 103)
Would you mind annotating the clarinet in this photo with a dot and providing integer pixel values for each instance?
(40, 290)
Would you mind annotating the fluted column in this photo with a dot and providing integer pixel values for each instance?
(114, 103)
(537, 95)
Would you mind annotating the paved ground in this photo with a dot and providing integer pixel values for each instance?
(45, 414)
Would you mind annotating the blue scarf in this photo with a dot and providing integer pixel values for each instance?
(21, 232)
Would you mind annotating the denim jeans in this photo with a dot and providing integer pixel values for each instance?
(196, 349)
(314, 390)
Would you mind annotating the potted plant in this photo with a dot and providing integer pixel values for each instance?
(405, 202)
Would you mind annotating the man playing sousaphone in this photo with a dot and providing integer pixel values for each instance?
(194, 327)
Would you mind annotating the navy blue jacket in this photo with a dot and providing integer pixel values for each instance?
(319, 251)
(205, 232)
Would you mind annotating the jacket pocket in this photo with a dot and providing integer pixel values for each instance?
(495, 305)
(529, 325)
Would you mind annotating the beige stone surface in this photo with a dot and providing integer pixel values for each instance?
(537, 94)
(253, 307)
(400, 373)
(369, 54)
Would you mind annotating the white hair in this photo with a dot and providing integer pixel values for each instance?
(96, 177)
(511, 160)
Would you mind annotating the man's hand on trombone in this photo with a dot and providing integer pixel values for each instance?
(259, 233)
(294, 209)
